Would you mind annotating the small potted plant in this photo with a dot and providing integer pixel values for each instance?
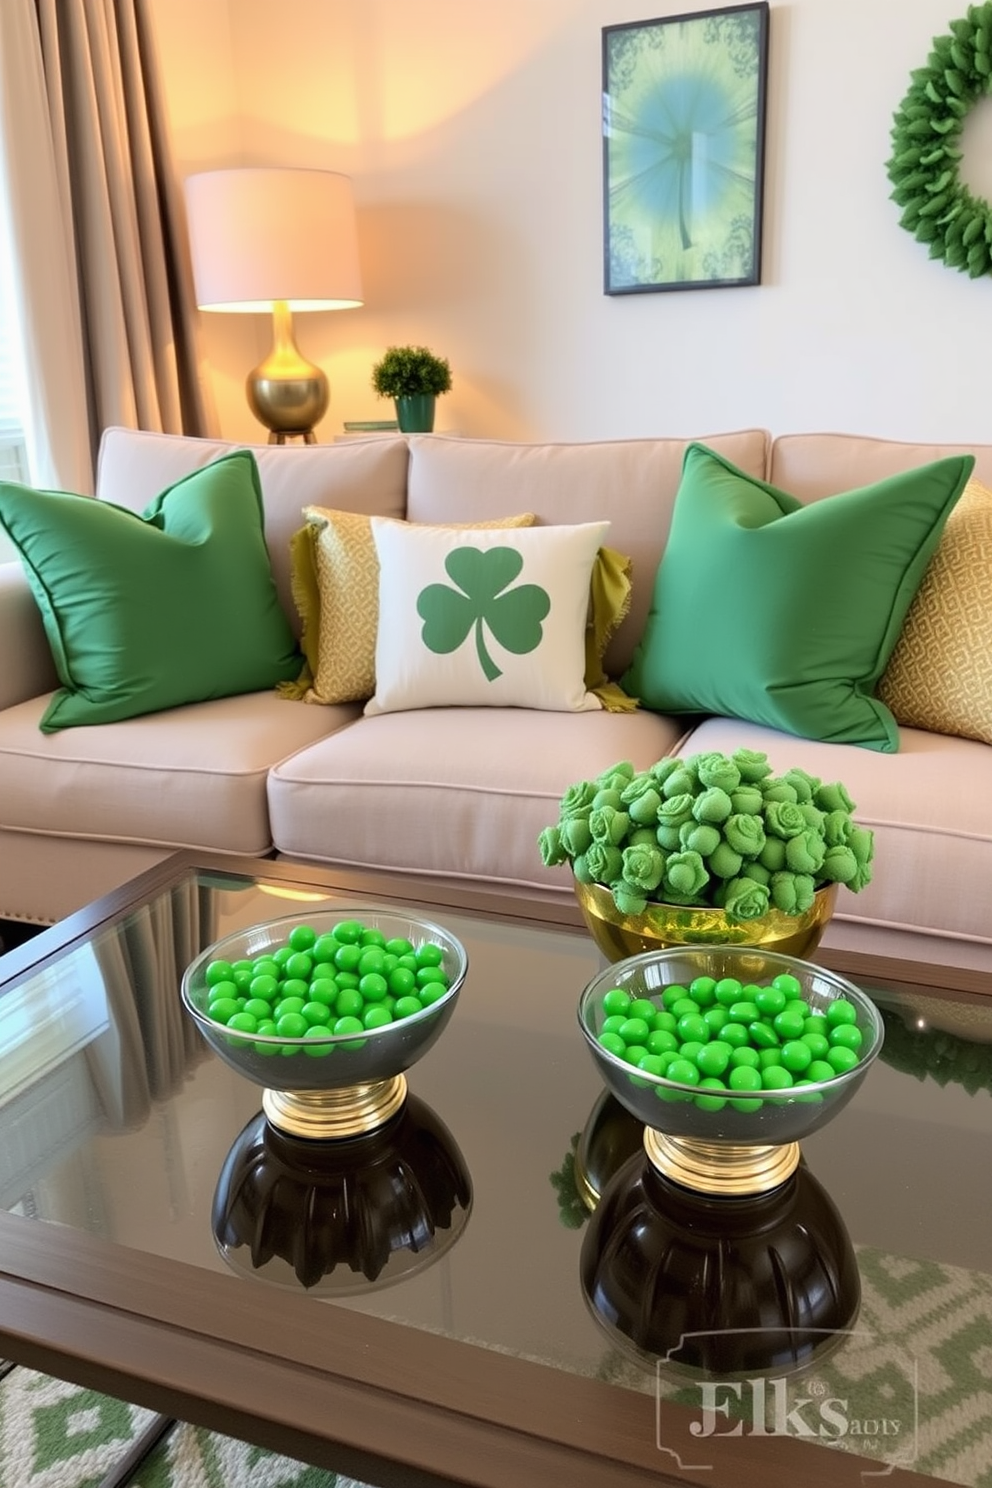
(413, 377)
(708, 848)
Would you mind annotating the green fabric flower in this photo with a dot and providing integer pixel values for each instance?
(805, 853)
(607, 796)
(578, 798)
(604, 862)
(784, 819)
(792, 893)
(642, 800)
(717, 770)
(679, 783)
(710, 829)
(699, 837)
(813, 815)
(839, 865)
(747, 800)
(744, 899)
(643, 867)
(752, 763)
(723, 862)
(628, 898)
(837, 828)
(862, 844)
(609, 825)
(805, 786)
(745, 834)
(576, 835)
(552, 849)
(832, 797)
(660, 771)
(776, 789)
(640, 835)
(685, 876)
(713, 805)
(672, 813)
(772, 855)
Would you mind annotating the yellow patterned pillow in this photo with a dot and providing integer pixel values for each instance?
(939, 676)
(340, 610)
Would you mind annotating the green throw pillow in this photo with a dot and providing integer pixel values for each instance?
(147, 612)
(783, 613)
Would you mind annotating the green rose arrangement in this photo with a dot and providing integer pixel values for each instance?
(712, 829)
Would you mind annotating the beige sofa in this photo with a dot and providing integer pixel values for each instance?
(462, 793)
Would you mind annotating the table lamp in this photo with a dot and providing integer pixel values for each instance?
(276, 239)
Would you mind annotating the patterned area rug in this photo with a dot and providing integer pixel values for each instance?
(910, 1386)
(56, 1435)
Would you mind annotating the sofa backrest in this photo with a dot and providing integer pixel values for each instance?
(810, 466)
(362, 475)
(630, 482)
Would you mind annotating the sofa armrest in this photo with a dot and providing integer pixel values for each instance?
(26, 665)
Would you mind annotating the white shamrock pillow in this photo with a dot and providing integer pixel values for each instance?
(476, 618)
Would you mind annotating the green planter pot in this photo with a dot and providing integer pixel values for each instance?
(415, 413)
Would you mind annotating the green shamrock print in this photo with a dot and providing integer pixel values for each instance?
(482, 576)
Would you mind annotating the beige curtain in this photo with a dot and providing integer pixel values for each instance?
(108, 314)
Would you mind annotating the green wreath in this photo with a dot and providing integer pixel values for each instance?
(938, 208)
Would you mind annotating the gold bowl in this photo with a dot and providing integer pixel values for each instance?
(661, 926)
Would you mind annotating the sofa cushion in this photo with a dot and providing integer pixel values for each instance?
(632, 482)
(188, 777)
(925, 804)
(786, 614)
(146, 612)
(361, 475)
(336, 589)
(464, 794)
(483, 618)
(939, 676)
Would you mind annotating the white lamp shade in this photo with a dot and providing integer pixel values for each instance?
(258, 235)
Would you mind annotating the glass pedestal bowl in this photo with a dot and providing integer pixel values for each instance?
(327, 1085)
(730, 1142)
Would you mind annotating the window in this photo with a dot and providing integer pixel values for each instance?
(13, 457)
(13, 453)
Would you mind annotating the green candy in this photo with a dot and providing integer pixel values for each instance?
(728, 991)
(692, 1028)
(763, 1036)
(788, 1025)
(712, 1102)
(643, 1007)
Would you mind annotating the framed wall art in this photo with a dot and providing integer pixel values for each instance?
(683, 150)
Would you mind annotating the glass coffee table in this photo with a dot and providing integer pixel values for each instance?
(156, 1246)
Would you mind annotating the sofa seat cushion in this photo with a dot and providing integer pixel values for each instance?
(928, 808)
(460, 792)
(187, 777)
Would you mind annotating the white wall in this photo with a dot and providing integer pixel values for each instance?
(472, 134)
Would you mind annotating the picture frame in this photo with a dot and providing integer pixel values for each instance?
(684, 101)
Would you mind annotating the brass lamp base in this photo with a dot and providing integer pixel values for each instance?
(720, 1168)
(285, 392)
(323, 1115)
